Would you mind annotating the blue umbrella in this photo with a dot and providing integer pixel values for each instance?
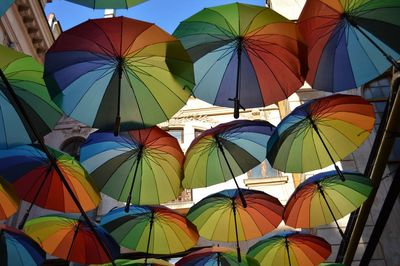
(4, 5)
(16, 248)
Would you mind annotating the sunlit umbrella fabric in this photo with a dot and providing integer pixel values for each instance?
(148, 161)
(71, 239)
(18, 249)
(341, 122)
(29, 170)
(108, 4)
(25, 76)
(118, 70)
(9, 200)
(169, 231)
(350, 42)
(139, 262)
(290, 248)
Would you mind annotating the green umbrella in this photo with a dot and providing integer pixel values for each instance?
(25, 77)
(107, 4)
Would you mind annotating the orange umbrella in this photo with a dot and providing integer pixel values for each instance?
(9, 201)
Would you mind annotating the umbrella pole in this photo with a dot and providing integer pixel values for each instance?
(287, 249)
(330, 210)
(218, 259)
(53, 162)
(139, 157)
(236, 100)
(221, 148)
(26, 215)
(73, 239)
(388, 56)
(118, 117)
(236, 231)
(148, 239)
(339, 172)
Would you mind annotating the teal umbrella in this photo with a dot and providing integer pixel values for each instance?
(4, 5)
(107, 4)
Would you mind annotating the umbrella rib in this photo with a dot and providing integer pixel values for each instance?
(126, 180)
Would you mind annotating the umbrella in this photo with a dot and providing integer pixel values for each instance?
(72, 239)
(222, 217)
(226, 151)
(320, 133)
(35, 179)
(107, 4)
(151, 229)
(245, 56)
(22, 76)
(118, 73)
(4, 5)
(350, 42)
(216, 256)
(18, 249)
(324, 198)
(142, 166)
(9, 201)
(140, 262)
(290, 248)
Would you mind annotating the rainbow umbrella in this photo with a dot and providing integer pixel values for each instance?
(118, 73)
(217, 256)
(151, 229)
(4, 5)
(226, 151)
(324, 198)
(222, 217)
(108, 4)
(9, 201)
(35, 179)
(140, 262)
(72, 239)
(320, 133)
(18, 249)
(290, 248)
(350, 42)
(245, 55)
(22, 77)
(142, 166)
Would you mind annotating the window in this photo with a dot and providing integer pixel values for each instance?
(263, 170)
(185, 196)
(176, 133)
(72, 146)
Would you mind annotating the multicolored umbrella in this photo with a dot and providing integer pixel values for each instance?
(35, 179)
(217, 256)
(117, 73)
(4, 5)
(140, 262)
(226, 151)
(142, 166)
(107, 4)
(151, 229)
(320, 133)
(245, 56)
(9, 201)
(324, 198)
(350, 42)
(18, 249)
(24, 76)
(222, 217)
(72, 239)
(291, 248)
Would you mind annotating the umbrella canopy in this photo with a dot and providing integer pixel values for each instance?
(18, 249)
(151, 229)
(140, 262)
(350, 42)
(225, 151)
(142, 165)
(245, 56)
(71, 239)
(217, 256)
(25, 76)
(118, 73)
(222, 217)
(35, 180)
(9, 201)
(291, 248)
(107, 4)
(324, 198)
(320, 133)
(4, 5)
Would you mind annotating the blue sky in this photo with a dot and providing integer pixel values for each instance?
(165, 13)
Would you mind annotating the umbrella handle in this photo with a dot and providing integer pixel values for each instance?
(242, 198)
(23, 221)
(128, 203)
(117, 125)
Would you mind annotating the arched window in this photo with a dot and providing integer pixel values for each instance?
(72, 146)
